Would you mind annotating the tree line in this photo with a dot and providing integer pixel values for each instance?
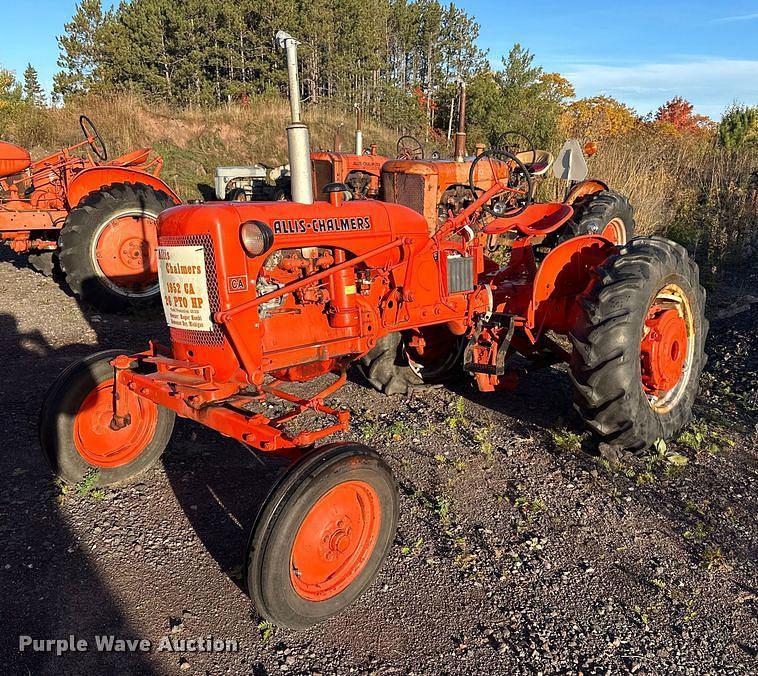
(385, 55)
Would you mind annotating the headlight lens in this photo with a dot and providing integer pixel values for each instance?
(256, 237)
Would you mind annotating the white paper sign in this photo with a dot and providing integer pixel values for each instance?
(184, 288)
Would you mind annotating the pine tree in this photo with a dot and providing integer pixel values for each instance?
(33, 92)
(739, 127)
(80, 49)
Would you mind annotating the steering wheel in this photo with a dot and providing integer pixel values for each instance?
(92, 136)
(516, 177)
(409, 148)
(515, 148)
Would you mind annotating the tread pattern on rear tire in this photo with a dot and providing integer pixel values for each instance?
(605, 362)
(76, 239)
(593, 212)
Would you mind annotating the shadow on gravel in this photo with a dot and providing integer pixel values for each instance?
(50, 589)
(220, 485)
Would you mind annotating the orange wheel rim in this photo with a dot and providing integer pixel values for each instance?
(125, 252)
(101, 445)
(667, 346)
(335, 540)
(615, 231)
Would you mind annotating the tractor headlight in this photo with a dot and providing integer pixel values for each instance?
(256, 237)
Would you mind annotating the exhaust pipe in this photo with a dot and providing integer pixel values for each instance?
(460, 135)
(298, 139)
(358, 130)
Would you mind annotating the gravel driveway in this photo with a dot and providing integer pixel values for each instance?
(519, 549)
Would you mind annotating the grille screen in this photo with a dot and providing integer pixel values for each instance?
(215, 337)
(460, 274)
(322, 175)
(405, 189)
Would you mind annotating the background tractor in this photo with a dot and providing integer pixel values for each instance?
(262, 299)
(94, 217)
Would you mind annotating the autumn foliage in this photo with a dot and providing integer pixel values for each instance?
(678, 114)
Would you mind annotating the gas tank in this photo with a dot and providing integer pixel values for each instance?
(13, 159)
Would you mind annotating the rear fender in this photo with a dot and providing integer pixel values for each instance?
(93, 179)
(564, 274)
(589, 187)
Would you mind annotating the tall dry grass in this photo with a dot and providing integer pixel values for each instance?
(685, 187)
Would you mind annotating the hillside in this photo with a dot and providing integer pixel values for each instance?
(192, 141)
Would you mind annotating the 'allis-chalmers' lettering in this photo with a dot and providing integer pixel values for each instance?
(299, 226)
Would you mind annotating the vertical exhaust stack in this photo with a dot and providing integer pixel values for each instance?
(298, 139)
(460, 135)
(358, 130)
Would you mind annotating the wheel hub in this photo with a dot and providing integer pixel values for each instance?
(335, 540)
(105, 445)
(663, 350)
(125, 252)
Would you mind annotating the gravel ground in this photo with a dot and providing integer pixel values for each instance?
(518, 550)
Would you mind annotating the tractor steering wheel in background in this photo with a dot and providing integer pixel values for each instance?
(515, 148)
(92, 136)
(517, 176)
(409, 148)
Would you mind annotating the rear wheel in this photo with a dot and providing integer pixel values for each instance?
(107, 248)
(396, 365)
(75, 425)
(639, 345)
(322, 535)
(607, 213)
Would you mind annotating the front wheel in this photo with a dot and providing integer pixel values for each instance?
(107, 247)
(322, 535)
(639, 344)
(75, 429)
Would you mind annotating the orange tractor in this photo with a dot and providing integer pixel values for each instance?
(263, 297)
(96, 216)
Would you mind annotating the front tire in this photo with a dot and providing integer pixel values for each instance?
(639, 345)
(74, 427)
(322, 535)
(107, 246)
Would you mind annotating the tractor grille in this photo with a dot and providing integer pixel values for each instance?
(215, 337)
(405, 189)
(460, 274)
(322, 175)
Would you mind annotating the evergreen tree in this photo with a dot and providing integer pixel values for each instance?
(739, 127)
(33, 92)
(80, 50)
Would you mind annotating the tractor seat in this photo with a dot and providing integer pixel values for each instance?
(131, 159)
(537, 162)
(13, 159)
(536, 220)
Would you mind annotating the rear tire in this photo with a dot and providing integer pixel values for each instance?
(322, 535)
(73, 431)
(607, 213)
(624, 344)
(136, 283)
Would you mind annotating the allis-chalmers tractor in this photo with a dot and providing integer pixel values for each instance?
(97, 216)
(263, 297)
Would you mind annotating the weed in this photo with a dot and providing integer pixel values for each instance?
(699, 533)
(267, 630)
(86, 487)
(566, 440)
(414, 550)
(712, 558)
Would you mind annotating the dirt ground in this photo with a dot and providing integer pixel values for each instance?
(517, 550)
